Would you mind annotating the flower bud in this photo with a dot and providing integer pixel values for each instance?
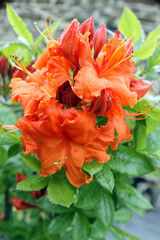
(69, 43)
(99, 39)
(101, 104)
(3, 65)
(87, 26)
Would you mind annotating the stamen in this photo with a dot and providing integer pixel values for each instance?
(60, 162)
(129, 114)
(8, 126)
(116, 51)
(23, 68)
(10, 131)
(48, 32)
(15, 65)
(50, 28)
(138, 113)
(141, 118)
(35, 24)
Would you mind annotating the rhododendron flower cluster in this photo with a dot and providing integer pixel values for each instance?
(78, 77)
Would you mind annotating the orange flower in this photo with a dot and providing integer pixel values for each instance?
(62, 137)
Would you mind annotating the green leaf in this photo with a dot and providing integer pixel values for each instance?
(122, 215)
(6, 111)
(41, 38)
(130, 196)
(81, 228)
(105, 215)
(145, 50)
(18, 25)
(105, 178)
(7, 139)
(92, 167)
(60, 191)
(154, 35)
(138, 211)
(105, 208)
(140, 134)
(67, 235)
(14, 150)
(32, 162)
(120, 234)
(152, 149)
(129, 25)
(3, 156)
(33, 183)
(101, 120)
(155, 58)
(87, 198)
(43, 203)
(98, 230)
(60, 223)
(128, 162)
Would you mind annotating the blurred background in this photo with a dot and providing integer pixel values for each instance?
(107, 12)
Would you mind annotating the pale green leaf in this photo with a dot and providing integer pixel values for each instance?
(18, 25)
(129, 25)
(145, 50)
(154, 35)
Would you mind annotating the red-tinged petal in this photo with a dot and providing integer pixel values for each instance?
(117, 34)
(69, 43)
(87, 84)
(140, 87)
(88, 26)
(20, 204)
(99, 39)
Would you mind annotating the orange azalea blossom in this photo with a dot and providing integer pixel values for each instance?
(65, 138)
(77, 78)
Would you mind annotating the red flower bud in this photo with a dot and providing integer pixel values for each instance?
(20, 204)
(20, 177)
(69, 43)
(99, 39)
(101, 104)
(3, 65)
(88, 26)
(66, 96)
